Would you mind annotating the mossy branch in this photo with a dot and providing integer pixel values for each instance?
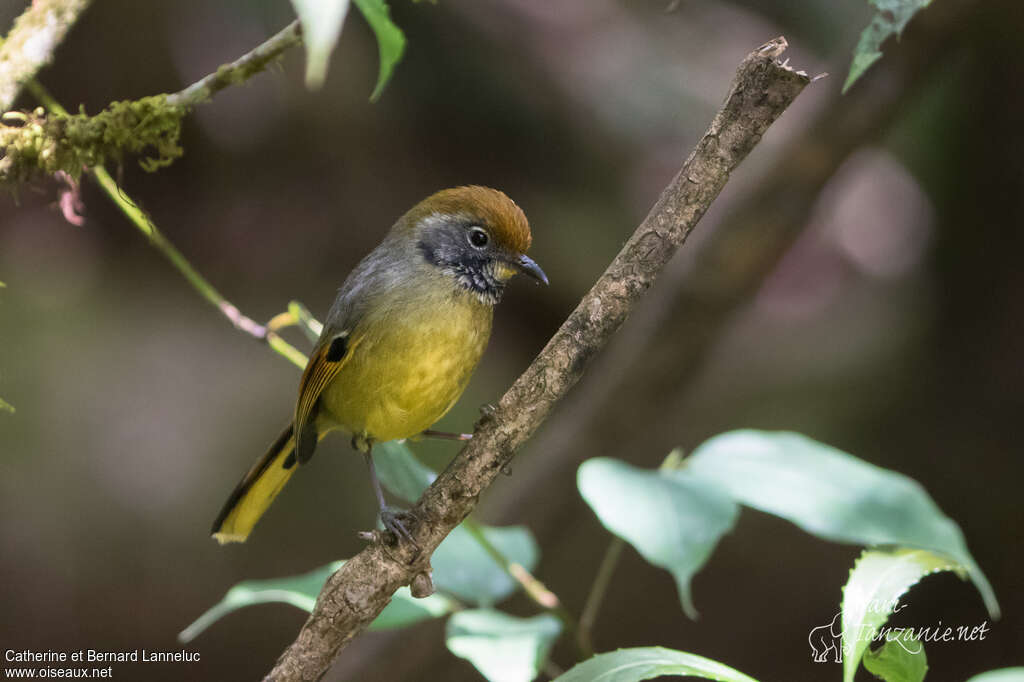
(50, 139)
(32, 41)
(145, 224)
(40, 143)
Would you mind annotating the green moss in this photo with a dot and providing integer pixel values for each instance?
(39, 143)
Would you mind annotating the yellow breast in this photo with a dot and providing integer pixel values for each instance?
(410, 366)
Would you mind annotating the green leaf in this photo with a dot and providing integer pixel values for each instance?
(877, 581)
(670, 517)
(1001, 675)
(400, 471)
(645, 663)
(831, 494)
(390, 40)
(301, 591)
(503, 648)
(463, 567)
(898, 660)
(321, 26)
(890, 19)
(6, 406)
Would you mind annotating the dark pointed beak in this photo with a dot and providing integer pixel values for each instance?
(527, 266)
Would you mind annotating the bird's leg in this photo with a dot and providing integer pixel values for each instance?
(390, 517)
(445, 435)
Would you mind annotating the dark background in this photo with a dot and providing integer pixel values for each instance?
(891, 329)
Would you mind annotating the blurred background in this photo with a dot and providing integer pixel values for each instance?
(859, 280)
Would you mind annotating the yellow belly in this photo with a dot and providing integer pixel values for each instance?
(407, 370)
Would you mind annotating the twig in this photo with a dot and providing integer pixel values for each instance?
(310, 326)
(605, 571)
(36, 144)
(597, 591)
(145, 224)
(533, 588)
(32, 41)
(235, 72)
(42, 28)
(356, 594)
(239, 70)
(49, 20)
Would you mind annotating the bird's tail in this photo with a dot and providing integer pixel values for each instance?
(256, 491)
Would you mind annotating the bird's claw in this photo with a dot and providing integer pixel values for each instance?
(394, 521)
(487, 414)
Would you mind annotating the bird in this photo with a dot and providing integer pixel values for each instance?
(402, 338)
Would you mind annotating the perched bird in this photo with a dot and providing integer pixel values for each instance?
(400, 342)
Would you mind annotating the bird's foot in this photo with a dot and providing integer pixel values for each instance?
(395, 521)
(487, 414)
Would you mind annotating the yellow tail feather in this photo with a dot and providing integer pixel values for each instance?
(256, 491)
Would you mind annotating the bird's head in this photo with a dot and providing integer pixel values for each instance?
(476, 235)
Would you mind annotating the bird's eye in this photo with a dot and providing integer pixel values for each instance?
(478, 237)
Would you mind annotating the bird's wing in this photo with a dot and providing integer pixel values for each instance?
(343, 330)
(327, 359)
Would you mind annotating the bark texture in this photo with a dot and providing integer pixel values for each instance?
(760, 91)
(731, 266)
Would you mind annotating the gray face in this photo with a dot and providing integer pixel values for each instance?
(464, 248)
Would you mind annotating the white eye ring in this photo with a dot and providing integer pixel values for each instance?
(478, 237)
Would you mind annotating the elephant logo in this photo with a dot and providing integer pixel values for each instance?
(826, 639)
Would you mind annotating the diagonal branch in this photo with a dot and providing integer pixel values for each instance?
(240, 70)
(761, 90)
(702, 301)
(32, 41)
